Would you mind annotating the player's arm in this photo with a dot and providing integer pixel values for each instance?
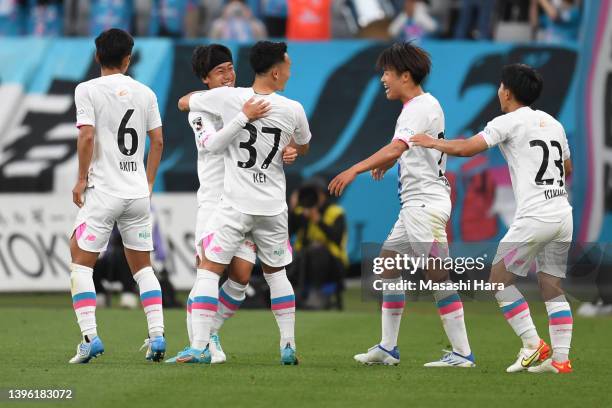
(388, 154)
(459, 147)
(86, 122)
(183, 103)
(156, 140)
(85, 147)
(156, 147)
(568, 168)
(205, 101)
(217, 142)
(301, 138)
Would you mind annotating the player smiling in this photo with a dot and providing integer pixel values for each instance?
(426, 206)
(254, 189)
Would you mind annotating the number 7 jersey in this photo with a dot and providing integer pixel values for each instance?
(535, 146)
(122, 111)
(254, 176)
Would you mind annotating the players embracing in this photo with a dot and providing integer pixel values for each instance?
(254, 192)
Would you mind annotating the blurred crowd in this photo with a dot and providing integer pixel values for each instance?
(550, 21)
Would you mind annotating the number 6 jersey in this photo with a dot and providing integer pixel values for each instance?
(254, 176)
(535, 146)
(122, 111)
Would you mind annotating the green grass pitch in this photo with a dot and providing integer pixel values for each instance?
(37, 341)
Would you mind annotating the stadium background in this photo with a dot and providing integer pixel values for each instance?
(349, 117)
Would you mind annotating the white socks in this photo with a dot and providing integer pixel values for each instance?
(282, 305)
(204, 307)
(393, 302)
(84, 299)
(516, 311)
(151, 299)
(560, 325)
(450, 309)
(231, 296)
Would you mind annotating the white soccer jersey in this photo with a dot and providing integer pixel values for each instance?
(211, 168)
(422, 182)
(535, 146)
(122, 111)
(254, 176)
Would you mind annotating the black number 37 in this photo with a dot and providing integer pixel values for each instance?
(248, 146)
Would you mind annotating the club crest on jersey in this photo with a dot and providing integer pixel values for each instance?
(197, 123)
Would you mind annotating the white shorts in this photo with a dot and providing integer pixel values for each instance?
(246, 251)
(228, 230)
(95, 221)
(419, 231)
(546, 242)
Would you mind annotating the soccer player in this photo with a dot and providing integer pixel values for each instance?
(114, 113)
(254, 192)
(536, 148)
(426, 206)
(213, 64)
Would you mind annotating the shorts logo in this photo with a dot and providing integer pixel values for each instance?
(144, 235)
(279, 252)
(90, 237)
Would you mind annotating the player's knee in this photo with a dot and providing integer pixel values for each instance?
(499, 274)
(271, 269)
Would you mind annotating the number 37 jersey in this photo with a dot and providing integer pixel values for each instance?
(535, 146)
(122, 111)
(254, 176)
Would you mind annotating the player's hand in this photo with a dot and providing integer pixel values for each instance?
(341, 181)
(289, 154)
(423, 140)
(378, 174)
(255, 109)
(77, 193)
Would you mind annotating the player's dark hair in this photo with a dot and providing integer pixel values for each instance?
(523, 81)
(406, 57)
(206, 57)
(265, 54)
(112, 46)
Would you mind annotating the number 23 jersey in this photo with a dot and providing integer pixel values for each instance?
(535, 146)
(254, 176)
(122, 111)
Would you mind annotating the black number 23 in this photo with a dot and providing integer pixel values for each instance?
(248, 146)
(539, 178)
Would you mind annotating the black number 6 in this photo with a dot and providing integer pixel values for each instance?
(123, 130)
